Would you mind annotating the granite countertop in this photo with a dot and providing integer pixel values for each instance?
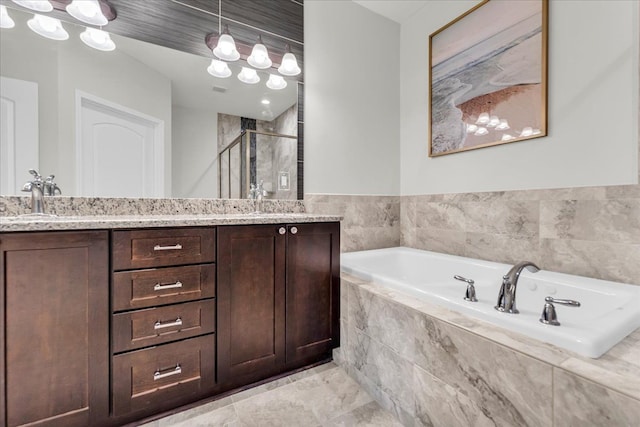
(50, 223)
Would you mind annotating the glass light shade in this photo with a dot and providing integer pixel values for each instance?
(481, 131)
(289, 66)
(226, 48)
(5, 19)
(249, 76)
(503, 125)
(259, 57)
(276, 82)
(219, 69)
(526, 131)
(471, 128)
(37, 5)
(48, 27)
(506, 137)
(483, 119)
(97, 39)
(493, 122)
(87, 11)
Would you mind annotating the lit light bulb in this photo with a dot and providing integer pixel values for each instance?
(249, 76)
(226, 47)
(504, 125)
(289, 66)
(219, 69)
(97, 39)
(5, 20)
(481, 131)
(493, 122)
(483, 119)
(87, 11)
(276, 82)
(259, 57)
(48, 27)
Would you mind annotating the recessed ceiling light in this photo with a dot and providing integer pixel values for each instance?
(265, 102)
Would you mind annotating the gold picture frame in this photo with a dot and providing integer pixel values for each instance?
(488, 77)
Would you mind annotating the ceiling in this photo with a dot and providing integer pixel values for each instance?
(396, 10)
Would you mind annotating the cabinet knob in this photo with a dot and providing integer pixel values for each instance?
(282, 230)
(293, 230)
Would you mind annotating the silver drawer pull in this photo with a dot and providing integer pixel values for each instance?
(294, 230)
(160, 325)
(159, 287)
(282, 230)
(160, 374)
(167, 248)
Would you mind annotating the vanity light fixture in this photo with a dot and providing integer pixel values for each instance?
(493, 122)
(506, 137)
(471, 128)
(483, 119)
(219, 69)
(527, 131)
(5, 20)
(503, 125)
(289, 66)
(97, 39)
(259, 57)
(37, 5)
(276, 82)
(87, 11)
(481, 131)
(226, 48)
(48, 27)
(249, 76)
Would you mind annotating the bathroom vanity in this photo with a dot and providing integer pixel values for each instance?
(107, 322)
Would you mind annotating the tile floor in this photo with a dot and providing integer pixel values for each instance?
(322, 396)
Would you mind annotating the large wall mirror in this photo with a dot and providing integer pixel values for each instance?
(143, 120)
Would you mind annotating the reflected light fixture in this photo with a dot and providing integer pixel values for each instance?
(87, 11)
(506, 137)
(97, 39)
(483, 119)
(219, 69)
(259, 57)
(48, 27)
(527, 131)
(471, 128)
(226, 47)
(37, 5)
(276, 82)
(504, 125)
(481, 131)
(5, 19)
(493, 122)
(249, 76)
(265, 102)
(289, 66)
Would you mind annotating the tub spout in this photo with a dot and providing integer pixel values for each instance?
(507, 294)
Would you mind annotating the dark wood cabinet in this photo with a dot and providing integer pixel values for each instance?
(278, 298)
(55, 321)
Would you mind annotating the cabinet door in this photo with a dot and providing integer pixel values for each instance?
(250, 302)
(55, 317)
(313, 291)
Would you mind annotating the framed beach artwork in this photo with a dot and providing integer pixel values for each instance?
(488, 77)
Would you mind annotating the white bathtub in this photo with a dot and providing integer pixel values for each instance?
(609, 311)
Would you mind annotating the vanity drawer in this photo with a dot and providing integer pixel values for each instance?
(156, 248)
(164, 376)
(159, 286)
(153, 326)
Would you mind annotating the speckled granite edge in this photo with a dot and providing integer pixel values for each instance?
(98, 206)
(15, 224)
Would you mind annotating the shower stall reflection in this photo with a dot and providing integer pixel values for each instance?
(256, 156)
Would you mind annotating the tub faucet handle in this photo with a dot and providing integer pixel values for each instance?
(549, 315)
(470, 294)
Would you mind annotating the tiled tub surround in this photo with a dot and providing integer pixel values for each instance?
(370, 222)
(432, 366)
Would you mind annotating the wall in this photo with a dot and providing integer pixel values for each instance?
(592, 107)
(194, 156)
(351, 100)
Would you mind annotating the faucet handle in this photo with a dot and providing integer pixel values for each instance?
(470, 294)
(35, 173)
(549, 315)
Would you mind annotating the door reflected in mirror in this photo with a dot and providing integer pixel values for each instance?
(139, 121)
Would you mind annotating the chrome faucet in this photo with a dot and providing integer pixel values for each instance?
(36, 187)
(507, 294)
(257, 193)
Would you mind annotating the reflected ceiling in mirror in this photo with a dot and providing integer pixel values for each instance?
(167, 94)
